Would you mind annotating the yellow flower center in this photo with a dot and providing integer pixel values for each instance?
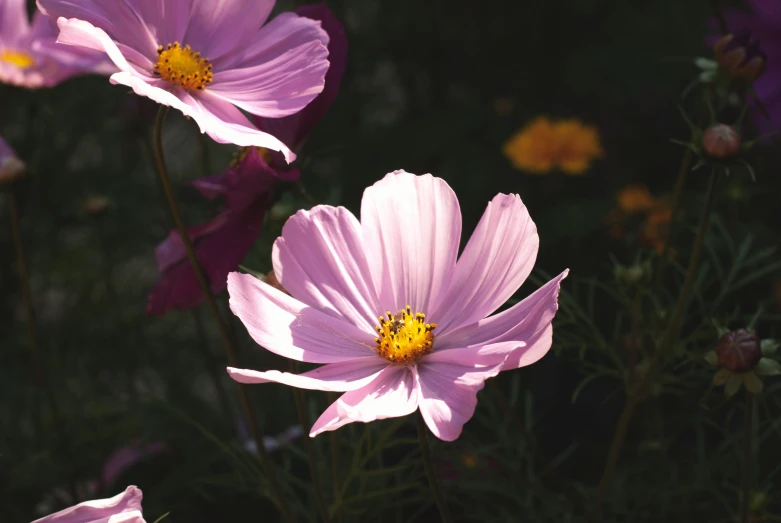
(241, 153)
(183, 66)
(20, 59)
(404, 338)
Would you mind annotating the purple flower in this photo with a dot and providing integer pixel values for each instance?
(29, 55)
(206, 59)
(761, 24)
(223, 242)
(122, 508)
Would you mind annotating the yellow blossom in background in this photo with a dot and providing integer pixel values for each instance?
(636, 198)
(543, 145)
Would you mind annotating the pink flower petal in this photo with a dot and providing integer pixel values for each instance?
(225, 27)
(411, 228)
(281, 71)
(119, 19)
(496, 261)
(226, 124)
(80, 33)
(337, 377)
(14, 23)
(392, 394)
(287, 327)
(448, 395)
(320, 260)
(293, 129)
(122, 508)
(528, 321)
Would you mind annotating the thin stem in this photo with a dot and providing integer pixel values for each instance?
(746, 489)
(444, 512)
(333, 437)
(254, 425)
(210, 362)
(680, 183)
(670, 332)
(24, 285)
(35, 347)
(309, 445)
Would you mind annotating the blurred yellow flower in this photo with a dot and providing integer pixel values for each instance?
(543, 145)
(636, 198)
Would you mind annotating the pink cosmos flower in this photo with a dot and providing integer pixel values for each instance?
(122, 508)
(29, 56)
(223, 242)
(206, 59)
(399, 320)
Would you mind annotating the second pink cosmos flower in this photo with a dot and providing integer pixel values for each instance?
(206, 59)
(400, 321)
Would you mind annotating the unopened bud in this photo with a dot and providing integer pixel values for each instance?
(740, 57)
(738, 351)
(721, 141)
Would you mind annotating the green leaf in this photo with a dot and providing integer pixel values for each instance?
(768, 367)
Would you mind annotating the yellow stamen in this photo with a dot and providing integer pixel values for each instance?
(20, 59)
(404, 338)
(183, 66)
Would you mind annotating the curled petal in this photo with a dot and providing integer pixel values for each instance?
(528, 321)
(393, 393)
(448, 395)
(335, 377)
(122, 508)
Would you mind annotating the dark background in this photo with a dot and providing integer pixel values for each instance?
(433, 87)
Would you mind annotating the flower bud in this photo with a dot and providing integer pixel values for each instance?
(738, 351)
(740, 57)
(721, 141)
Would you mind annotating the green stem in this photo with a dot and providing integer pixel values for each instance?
(333, 437)
(746, 488)
(254, 425)
(681, 305)
(309, 445)
(680, 183)
(24, 285)
(444, 512)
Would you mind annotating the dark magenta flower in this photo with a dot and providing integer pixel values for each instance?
(223, 242)
(763, 23)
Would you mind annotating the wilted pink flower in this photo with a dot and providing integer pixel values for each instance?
(29, 55)
(435, 343)
(206, 59)
(223, 242)
(122, 508)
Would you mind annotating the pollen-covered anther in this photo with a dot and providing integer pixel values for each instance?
(183, 66)
(405, 337)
